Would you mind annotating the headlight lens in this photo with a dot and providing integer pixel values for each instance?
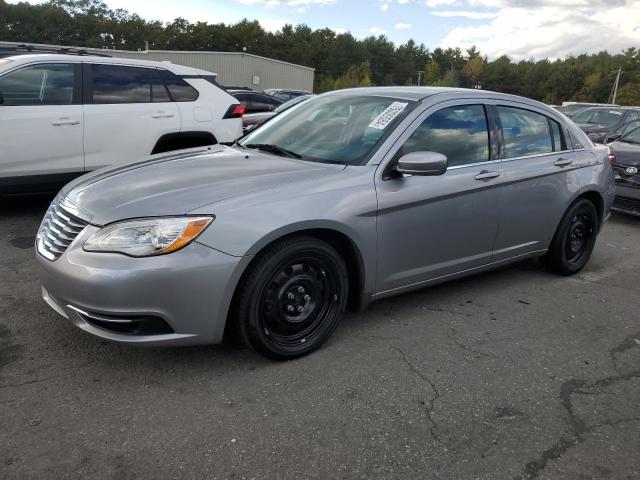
(147, 236)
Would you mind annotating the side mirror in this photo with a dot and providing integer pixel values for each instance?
(422, 163)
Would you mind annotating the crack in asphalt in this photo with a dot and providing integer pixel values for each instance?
(452, 336)
(578, 427)
(430, 405)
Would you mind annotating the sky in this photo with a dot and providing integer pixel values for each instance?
(518, 28)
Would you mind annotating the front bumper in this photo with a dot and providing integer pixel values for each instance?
(627, 200)
(177, 299)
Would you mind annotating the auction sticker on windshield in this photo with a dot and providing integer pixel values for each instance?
(387, 116)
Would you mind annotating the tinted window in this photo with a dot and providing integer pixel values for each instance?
(525, 132)
(159, 92)
(460, 133)
(46, 84)
(558, 138)
(117, 84)
(263, 103)
(179, 89)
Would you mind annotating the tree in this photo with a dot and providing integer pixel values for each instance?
(432, 72)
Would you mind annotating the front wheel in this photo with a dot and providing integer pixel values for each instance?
(574, 240)
(292, 299)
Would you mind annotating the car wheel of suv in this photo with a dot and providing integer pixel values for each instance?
(292, 299)
(574, 240)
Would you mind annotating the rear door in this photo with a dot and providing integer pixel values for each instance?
(41, 120)
(430, 227)
(127, 109)
(539, 171)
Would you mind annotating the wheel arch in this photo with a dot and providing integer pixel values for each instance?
(596, 198)
(339, 240)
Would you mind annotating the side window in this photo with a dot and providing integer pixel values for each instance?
(525, 132)
(159, 92)
(558, 138)
(118, 84)
(43, 84)
(460, 133)
(179, 89)
(262, 103)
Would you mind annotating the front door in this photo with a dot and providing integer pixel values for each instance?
(41, 121)
(430, 227)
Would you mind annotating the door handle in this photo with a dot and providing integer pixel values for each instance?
(65, 121)
(163, 115)
(484, 175)
(562, 162)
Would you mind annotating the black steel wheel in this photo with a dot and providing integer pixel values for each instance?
(292, 299)
(573, 243)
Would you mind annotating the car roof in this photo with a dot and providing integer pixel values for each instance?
(421, 93)
(58, 57)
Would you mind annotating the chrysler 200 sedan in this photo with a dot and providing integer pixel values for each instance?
(353, 196)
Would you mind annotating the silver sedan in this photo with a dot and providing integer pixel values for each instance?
(350, 197)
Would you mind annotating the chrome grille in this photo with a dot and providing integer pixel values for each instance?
(59, 228)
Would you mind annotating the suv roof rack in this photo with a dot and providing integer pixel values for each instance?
(61, 50)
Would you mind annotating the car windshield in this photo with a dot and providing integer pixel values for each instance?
(342, 129)
(632, 137)
(572, 109)
(291, 103)
(604, 116)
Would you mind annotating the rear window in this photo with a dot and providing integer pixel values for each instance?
(119, 84)
(525, 132)
(179, 89)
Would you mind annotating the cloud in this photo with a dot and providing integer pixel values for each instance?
(466, 14)
(545, 28)
(402, 26)
(377, 31)
(384, 7)
(440, 3)
(288, 3)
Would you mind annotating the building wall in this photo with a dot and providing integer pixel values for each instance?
(238, 69)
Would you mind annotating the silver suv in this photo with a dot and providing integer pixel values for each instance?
(346, 198)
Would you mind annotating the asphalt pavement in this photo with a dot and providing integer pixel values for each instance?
(514, 374)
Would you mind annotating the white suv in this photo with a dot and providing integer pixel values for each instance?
(63, 115)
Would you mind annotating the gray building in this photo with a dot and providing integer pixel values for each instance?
(232, 68)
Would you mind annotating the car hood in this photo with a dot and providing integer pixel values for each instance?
(626, 153)
(177, 183)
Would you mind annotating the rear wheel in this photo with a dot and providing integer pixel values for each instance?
(292, 299)
(574, 240)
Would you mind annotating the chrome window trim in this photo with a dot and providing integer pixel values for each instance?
(524, 157)
(476, 164)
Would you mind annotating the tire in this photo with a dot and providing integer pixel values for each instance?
(291, 300)
(573, 242)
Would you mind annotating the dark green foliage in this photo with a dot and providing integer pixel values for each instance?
(337, 57)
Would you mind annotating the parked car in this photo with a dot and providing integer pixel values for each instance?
(252, 120)
(599, 122)
(353, 196)
(286, 94)
(64, 115)
(625, 158)
(255, 102)
(622, 130)
(570, 109)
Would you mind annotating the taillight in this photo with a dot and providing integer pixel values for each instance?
(235, 111)
(612, 158)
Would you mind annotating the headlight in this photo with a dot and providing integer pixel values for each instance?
(147, 236)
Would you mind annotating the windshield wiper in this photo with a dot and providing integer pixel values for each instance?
(275, 149)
